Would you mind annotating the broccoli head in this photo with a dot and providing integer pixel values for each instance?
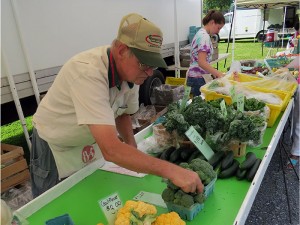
(187, 200)
(204, 170)
(168, 195)
(199, 198)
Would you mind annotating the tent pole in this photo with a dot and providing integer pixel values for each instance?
(234, 22)
(229, 35)
(25, 51)
(16, 99)
(176, 51)
(262, 43)
(283, 26)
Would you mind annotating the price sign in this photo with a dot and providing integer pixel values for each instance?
(232, 93)
(240, 102)
(223, 108)
(110, 206)
(151, 198)
(199, 142)
(186, 97)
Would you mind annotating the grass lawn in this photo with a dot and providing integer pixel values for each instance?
(243, 49)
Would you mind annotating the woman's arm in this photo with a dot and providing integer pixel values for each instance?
(207, 67)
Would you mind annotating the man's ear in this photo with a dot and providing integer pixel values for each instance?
(122, 50)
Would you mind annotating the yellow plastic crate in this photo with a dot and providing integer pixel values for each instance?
(289, 88)
(245, 78)
(274, 109)
(175, 81)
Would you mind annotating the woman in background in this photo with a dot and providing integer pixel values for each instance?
(202, 51)
(295, 35)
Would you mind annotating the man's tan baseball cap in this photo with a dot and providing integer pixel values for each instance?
(144, 39)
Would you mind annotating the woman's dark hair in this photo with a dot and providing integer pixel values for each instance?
(215, 16)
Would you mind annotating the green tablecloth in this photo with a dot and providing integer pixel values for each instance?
(81, 201)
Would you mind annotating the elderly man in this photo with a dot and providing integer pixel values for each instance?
(91, 101)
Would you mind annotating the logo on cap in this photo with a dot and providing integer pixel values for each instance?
(154, 40)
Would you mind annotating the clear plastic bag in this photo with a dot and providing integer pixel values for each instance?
(17, 197)
(223, 86)
(163, 138)
(282, 79)
(166, 94)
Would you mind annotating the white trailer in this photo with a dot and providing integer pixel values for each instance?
(39, 36)
(250, 22)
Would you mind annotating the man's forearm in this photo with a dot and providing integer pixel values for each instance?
(124, 127)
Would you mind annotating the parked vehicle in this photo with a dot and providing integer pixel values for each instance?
(250, 23)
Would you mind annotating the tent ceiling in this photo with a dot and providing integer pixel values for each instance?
(260, 4)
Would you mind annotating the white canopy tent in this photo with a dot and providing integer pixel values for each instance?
(261, 4)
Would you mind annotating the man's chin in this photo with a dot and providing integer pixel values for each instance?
(139, 81)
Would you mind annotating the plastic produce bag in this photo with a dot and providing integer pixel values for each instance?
(163, 138)
(143, 115)
(166, 94)
(282, 79)
(223, 86)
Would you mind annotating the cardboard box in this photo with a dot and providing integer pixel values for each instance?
(14, 168)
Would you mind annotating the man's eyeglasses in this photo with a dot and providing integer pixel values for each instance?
(145, 67)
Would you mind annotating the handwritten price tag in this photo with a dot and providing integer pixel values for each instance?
(199, 142)
(223, 108)
(240, 102)
(110, 206)
(186, 97)
(232, 93)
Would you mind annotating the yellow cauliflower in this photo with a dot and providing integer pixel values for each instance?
(136, 212)
(171, 218)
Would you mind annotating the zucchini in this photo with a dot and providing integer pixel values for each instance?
(175, 155)
(186, 153)
(249, 161)
(229, 172)
(227, 160)
(165, 155)
(240, 174)
(251, 173)
(216, 158)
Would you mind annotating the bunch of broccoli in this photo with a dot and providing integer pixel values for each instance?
(173, 194)
(178, 197)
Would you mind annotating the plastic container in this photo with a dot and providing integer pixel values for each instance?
(60, 220)
(270, 35)
(175, 81)
(209, 189)
(274, 109)
(185, 213)
(288, 88)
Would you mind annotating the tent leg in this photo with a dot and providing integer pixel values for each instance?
(16, 100)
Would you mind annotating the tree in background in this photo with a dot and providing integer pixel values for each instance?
(221, 5)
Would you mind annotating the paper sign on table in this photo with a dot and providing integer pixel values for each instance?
(110, 206)
(151, 198)
(199, 142)
(111, 167)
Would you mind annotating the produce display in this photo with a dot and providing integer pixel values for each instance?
(217, 130)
